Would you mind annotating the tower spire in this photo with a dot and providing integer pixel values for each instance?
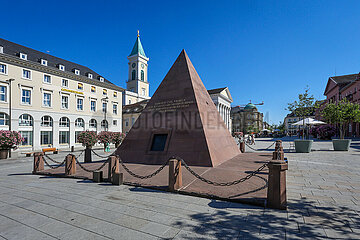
(138, 35)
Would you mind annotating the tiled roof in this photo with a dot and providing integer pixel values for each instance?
(216, 90)
(135, 107)
(344, 80)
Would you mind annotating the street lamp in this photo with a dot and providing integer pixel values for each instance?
(9, 82)
(105, 100)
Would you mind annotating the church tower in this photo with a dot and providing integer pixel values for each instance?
(138, 74)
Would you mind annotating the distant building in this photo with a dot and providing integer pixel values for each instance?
(246, 119)
(292, 118)
(130, 113)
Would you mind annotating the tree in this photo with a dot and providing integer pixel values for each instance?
(341, 113)
(304, 106)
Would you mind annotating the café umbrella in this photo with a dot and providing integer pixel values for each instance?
(308, 121)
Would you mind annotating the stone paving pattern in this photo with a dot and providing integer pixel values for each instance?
(323, 195)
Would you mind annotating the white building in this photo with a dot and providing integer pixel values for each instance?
(222, 99)
(52, 99)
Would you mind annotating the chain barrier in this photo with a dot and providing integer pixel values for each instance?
(139, 176)
(96, 154)
(54, 167)
(51, 159)
(259, 149)
(93, 170)
(82, 151)
(223, 183)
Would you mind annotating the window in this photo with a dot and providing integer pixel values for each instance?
(47, 79)
(26, 74)
(129, 101)
(3, 93)
(132, 121)
(115, 122)
(3, 69)
(126, 122)
(28, 138)
(101, 79)
(77, 71)
(89, 75)
(79, 123)
(65, 83)
(93, 123)
(46, 138)
(64, 137)
(46, 121)
(104, 92)
(64, 102)
(47, 100)
(80, 104)
(142, 75)
(93, 106)
(77, 136)
(104, 124)
(93, 89)
(25, 120)
(115, 109)
(26, 96)
(158, 142)
(115, 94)
(64, 122)
(143, 91)
(104, 107)
(43, 62)
(23, 56)
(4, 119)
(80, 86)
(133, 73)
(1, 49)
(61, 67)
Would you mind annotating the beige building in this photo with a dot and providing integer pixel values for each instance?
(246, 119)
(52, 100)
(292, 118)
(131, 113)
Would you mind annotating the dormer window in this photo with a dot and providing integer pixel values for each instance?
(101, 79)
(76, 71)
(61, 67)
(89, 75)
(43, 62)
(23, 56)
(1, 49)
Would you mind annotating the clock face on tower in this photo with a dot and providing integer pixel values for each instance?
(133, 65)
(142, 65)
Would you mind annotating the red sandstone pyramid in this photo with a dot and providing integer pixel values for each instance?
(179, 120)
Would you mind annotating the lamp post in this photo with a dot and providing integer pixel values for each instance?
(9, 82)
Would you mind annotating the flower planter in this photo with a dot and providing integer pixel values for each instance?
(4, 153)
(341, 144)
(303, 146)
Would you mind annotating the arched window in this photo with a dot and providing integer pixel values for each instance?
(79, 122)
(93, 123)
(142, 75)
(25, 120)
(104, 124)
(64, 122)
(4, 119)
(133, 73)
(46, 121)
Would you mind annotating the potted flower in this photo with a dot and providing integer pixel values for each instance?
(303, 107)
(117, 138)
(88, 140)
(105, 137)
(341, 114)
(8, 140)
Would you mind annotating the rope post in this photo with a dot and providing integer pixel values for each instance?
(70, 165)
(276, 192)
(98, 176)
(118, 179)
(278, 154)
(88, 155)
(242, 147)
(38, 162)
(175, 175)
(113, 167)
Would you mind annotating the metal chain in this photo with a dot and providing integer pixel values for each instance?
(88, 170)
(51, 159)
(223, 183)
(258, 149)
(139, 176)
(113, 154)
(82, 151)
(52, 167)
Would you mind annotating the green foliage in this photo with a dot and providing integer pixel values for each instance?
(342, 113)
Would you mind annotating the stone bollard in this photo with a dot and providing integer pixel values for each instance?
(175, 176)
(276, 192)
(38, 162)
(70, 165)
(72, 148)
(242, 147)
(118, 179)
(113, 167)
(278, 145)
(98, 176)
(87, 158)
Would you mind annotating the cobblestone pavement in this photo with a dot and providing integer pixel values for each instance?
(323, 193)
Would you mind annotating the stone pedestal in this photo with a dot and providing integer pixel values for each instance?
(175, 175)
(70, 166)
(118, 179)
(276, 194)
(278, 154)
(38, 162)
(113, 167)
(98, 176)
(242, 147)
(88, 158)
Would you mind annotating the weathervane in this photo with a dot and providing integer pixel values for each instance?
(138, 34)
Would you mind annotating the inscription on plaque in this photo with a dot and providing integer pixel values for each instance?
(171, 105)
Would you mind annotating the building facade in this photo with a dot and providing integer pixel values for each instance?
(137, 85)
(53, 100)
(222, 100)
(246, 119)
(292, 118)
(130, 114)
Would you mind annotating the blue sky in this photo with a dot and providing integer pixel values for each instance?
(262, 50)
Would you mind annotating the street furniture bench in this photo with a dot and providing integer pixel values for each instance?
(54, 150)
(28, 154)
